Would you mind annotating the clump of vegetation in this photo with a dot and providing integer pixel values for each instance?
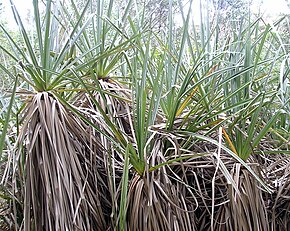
(117, 121)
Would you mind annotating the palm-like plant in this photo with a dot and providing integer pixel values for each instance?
(57, 155)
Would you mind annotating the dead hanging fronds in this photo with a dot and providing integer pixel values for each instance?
(72, 173)
(58, 162)
(109, 112)
(248, 210)
(226, 195)
(157, 204)
(205, 190)
(251, 207)
(276, 169)
(112, 101)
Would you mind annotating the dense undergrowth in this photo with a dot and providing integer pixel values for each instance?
(116, 120)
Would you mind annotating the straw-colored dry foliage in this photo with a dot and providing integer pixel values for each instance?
(66, 185)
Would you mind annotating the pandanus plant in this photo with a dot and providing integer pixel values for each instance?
(60, 156)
